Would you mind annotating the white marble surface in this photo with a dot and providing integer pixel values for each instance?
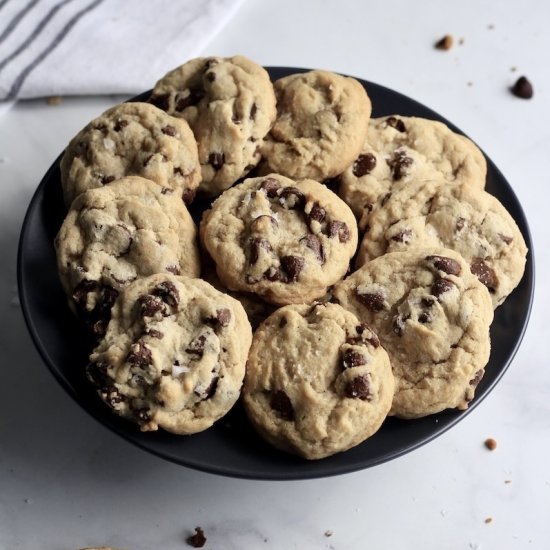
(66, 482)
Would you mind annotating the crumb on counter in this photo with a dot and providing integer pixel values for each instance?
(328, 533)
(490, 443)
(522, 88)
(445, 43)
(55, 100)
(198, 540)
(488, 519)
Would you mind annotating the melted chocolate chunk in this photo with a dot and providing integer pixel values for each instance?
(112, 396)
(192, 98)
(292, 198)
(222, 318)
(256, 246)
(424, 318)
(484, 273)
(292, 266)
(441, 286)
(196, 346)
(373, 301)
(168, 292)
(106, 179)
(314, 244)
(270, 186)
(150, 305)
(339, 228)
(317, 213)
(162, 101)
(120, 124)
(281, 404)
(364, 165)
(208, 392)
(358, 388)
(399, 164)
(352, 358)
(272, 274)
(139, 355)
(368, 335)
(216, 160)
(396, 123)
(447, 265)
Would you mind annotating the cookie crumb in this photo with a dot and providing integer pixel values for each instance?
(490, 443)
(55, 100)
(490, 27)
(445, 43)
(198, 540)
(507, 481)
(522, 88)
(328, 533)
(513, 69)
(488, 519)
(461, 41)
(470, 83)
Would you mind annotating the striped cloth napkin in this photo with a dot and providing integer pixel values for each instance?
(77, 47)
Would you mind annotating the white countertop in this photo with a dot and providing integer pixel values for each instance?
(67, 482)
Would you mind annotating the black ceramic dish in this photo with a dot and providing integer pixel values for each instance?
(232, 447)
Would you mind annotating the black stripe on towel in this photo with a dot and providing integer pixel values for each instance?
(16, 19)
(16, 86)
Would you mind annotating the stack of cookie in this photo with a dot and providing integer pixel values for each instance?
(364, 253)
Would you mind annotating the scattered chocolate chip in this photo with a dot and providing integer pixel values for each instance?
(169, 130)
(358, 388)
(477, 378)
(198, 540)
(162, 101)
(490, 443)
(196, 346)
(270, 186)
(217, 160)
(447, 265)
(317, 213)
(396, 123)
(506, 239)
(253, 111)
(139, 355)
(150, 305)
(484, 273)
(441, 286)
(292, 266)
(291, 198)
(106, 179)
(313, 243)
(403, 236)
(257, 244)
(364, 165)
(445, 43)
(168, 292)
(522, 88)
(352, 358)
(399, 164)
(281, 404)
(339, 228)
(120, 124)
(373, 301)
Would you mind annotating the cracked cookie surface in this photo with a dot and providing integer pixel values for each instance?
(230, 105)
(321, 125)
(173, 356)
(132, 139)
(318, 382)
(432, 316)
(286, 241)
(118, 233)
(401, 149)
(461, 217)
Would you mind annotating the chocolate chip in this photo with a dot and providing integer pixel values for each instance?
(162, 101)
(368, 335)
(97, 373)
(188, 195)
(317, 213)
(402, 236)
(424, 318)
(191, 98)
(259, 221)
(459, 225)
(253, 111)
(270, 186)
(441, 286)
(339, 228)
(313, 243)
(283, 322)
(447, 265)
(427, 302)
(364, 165)
(352, 358)
(396, 123)
(399, 164)
(374, 301)
(120, 124)
(168, 292)
(223, 317)
(139, 355)
(507, 240)
(217, 160)
(292, 266)
(154, 333)
(198, 540)
(358, 388)
(169, 130)
(522, 88)
(106, 179)
(484, 273)
(211, 76)
(272, 274)
(174, 269)
(399, 324)
(281, 404)
(445, 43)
(112, 396)
(81, 291)
(196, 346)
(477, 378)
(383, 201)
(150, 305)
(209, 391)
(142, 415)
(257, 244)
(291, 198)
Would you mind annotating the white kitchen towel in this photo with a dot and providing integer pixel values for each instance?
(76, 47)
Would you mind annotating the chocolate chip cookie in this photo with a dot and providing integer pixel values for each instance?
(116, 234)
(230, 105)
(322, 121)
(132, 139)
(173, 356)
(401, 149)
(461, 217)
(286, 241)
(318, 382)
(432, 315)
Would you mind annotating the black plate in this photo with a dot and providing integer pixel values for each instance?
(231, 447)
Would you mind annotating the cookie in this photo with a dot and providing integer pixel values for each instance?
(461, 217)
(173, 356)
(230, 105)
(318, 382)
(132, 139)
(322, 121)
(283, 240)
(116, 234)
(402, 149)
(432, 316)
